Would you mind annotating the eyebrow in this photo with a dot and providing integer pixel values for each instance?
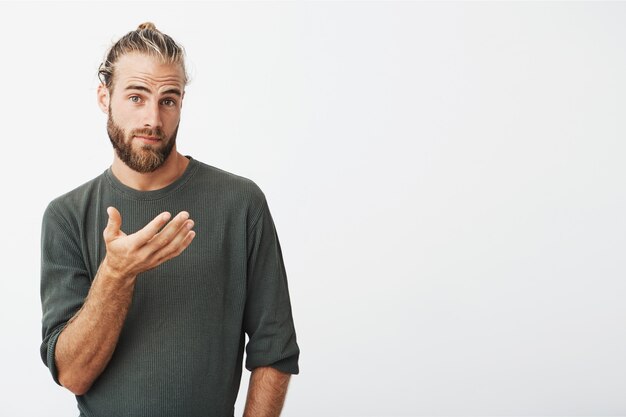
(175, 91)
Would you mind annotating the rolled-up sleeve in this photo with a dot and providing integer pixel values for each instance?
(268, 319)
(65, 282)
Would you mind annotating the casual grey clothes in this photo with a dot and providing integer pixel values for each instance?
(180, 351)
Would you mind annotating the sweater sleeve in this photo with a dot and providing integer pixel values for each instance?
(268, 319)
(65, 282)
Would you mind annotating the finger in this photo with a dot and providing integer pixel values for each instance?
(114, 224)
(175, 242)
(144, 235)
(165, 236)
(176, 247)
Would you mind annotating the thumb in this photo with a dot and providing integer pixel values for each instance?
(113, 226)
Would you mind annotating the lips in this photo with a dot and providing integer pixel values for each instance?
(148, 139)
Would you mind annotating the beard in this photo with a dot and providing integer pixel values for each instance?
(147, 158)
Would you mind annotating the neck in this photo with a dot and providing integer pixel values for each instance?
(170, 171)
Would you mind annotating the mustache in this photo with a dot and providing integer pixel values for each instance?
(148, 132)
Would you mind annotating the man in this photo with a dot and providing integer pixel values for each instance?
(145, 311)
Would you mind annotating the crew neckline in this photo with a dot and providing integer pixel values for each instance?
(152, 194)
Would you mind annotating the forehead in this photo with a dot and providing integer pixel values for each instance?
(140, 68)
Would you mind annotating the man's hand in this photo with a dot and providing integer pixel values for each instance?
(129, 255)
(87, 342)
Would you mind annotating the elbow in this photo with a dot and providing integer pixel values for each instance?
(76, 386)
(78, 390)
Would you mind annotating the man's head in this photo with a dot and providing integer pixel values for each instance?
(143, 80)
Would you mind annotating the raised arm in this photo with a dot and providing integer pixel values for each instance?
(87, 342)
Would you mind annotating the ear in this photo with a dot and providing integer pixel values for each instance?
(103, 98)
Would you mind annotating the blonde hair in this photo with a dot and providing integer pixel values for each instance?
(146, 39)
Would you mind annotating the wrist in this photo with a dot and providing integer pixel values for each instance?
(112, 270)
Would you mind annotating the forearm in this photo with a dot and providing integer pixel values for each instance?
(86, 345)
(266, 392)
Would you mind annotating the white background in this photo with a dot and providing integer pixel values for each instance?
(446, 179)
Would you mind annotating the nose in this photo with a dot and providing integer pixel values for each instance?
(152, 115)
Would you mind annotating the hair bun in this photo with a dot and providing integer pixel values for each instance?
(146, 25)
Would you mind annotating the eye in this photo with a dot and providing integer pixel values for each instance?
(169, 102)
(135, 99)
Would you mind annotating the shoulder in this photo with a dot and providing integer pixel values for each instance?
(67, 206)
(231, 192)
(229, 185)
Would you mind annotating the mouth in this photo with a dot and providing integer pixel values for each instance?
(148, 139)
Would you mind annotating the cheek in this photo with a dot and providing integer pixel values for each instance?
(170, 121)
(123, 118)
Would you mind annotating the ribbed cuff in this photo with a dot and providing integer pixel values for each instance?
(51, 363)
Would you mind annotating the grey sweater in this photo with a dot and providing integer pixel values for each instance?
(180, 351)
